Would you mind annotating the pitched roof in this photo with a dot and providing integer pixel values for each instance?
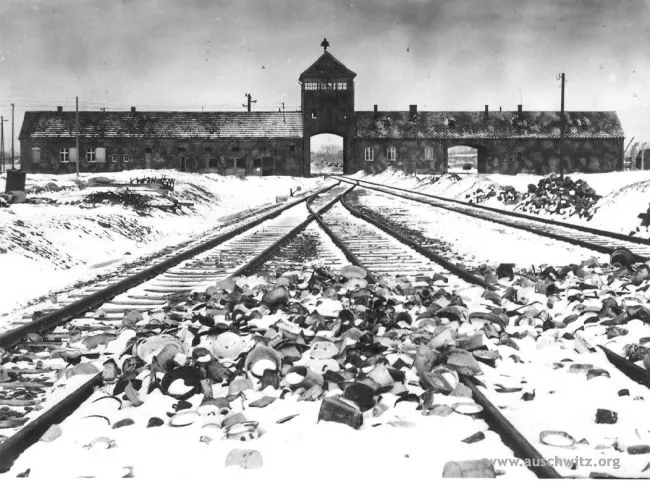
(327, 66)
(499, 125)
(168, 125)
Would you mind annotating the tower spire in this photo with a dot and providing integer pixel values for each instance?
(324, 44)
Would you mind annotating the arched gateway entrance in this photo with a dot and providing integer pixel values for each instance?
(327, 100)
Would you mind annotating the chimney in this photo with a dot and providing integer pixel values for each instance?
(486, 115)
(132, 110)
(519, 111)
(413, 111)
(59, 109)
(376, 109)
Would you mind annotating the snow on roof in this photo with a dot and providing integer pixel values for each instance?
(498, 125)
(167, 125)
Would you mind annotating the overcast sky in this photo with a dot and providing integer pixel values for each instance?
(439, 54)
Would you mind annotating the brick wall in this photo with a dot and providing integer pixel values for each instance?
(283, 155)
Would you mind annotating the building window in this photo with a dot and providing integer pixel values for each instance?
(113, 157)
(311, 85)
(235, 163)
(314, 115)
(36, 154)
(341, 85)
(292, 148)
(125, 158)
(391, 153)
(369, 154)
(64, 155)
(235, 149)
(90, 155)
(213, 163)
(207, 149)
(428, 153)
(180, 150)
(100, 154)
(148, 150)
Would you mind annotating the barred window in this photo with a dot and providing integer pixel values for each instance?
(126, 158)
(113, 157)
(391, 154)
(64, 155)
(369, 154)
(90, 155)
(311, 85)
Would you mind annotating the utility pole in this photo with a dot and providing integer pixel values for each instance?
(249, 102)
(562, 128)
(12, 137)
(77, 131)
(2, 143)
(284, 118)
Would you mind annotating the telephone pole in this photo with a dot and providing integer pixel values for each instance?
(12, 137)
(2, 143)
(249, 101)
(77, 131)
(562, 128)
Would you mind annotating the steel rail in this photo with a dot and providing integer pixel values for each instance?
(335, 239)
(15, 445)
(429, 254)
(77, 308)
(526, 228)
(493, 416)
(510, 435)
(627, 367)
(567, 225)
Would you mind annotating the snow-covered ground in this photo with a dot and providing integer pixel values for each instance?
(624, 194)
(63, 239)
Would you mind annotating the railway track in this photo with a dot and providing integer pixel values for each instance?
(278, 245)
(587, 237)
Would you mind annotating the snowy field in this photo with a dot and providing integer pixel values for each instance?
(624, 195)
(60, 238)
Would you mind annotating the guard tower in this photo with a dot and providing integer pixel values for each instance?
(327, 100)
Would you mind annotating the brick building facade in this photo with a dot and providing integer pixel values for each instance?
(277, 143)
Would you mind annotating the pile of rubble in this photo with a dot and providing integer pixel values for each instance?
(368, 352)
(504, 194)
(562, 196)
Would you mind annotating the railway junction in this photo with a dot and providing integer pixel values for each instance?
(342, 325)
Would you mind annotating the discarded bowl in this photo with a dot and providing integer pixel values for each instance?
(623, 257)
(244, 458)
(244, 431)
(184, 418)
(227, 345)
(262, 358)
(559, 439)
(468, 408)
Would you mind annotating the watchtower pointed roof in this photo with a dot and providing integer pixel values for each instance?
(327, 67)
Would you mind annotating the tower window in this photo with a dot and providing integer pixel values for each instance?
(314, 115)
(391, 154)
(369, 154)
(311, 85)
